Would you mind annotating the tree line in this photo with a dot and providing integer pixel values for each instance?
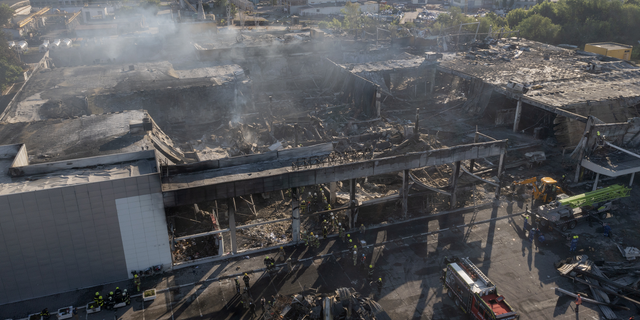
(574, 22)
(10, 65)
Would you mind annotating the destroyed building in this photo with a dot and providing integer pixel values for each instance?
(219, 153)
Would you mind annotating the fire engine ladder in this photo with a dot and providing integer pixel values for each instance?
(477, 271)
(590, 198)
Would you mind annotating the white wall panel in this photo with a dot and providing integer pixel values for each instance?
(143, 228)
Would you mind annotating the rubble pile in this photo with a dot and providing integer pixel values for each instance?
(192, 249)
(266, 235)
(609, 283)
(344, 303)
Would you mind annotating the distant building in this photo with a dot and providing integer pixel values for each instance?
(610, 49)
(93, 13)
(477, 4)
(57, 3)
(326, 7)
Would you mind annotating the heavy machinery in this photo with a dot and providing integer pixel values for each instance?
(565, 211)
(474, 293)
(546, 190)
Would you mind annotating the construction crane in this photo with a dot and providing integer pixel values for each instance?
(474, 293)
(546, 190)
(565, 211)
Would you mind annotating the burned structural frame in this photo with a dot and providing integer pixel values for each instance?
(228, 186)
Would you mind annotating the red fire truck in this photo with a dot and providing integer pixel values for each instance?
(474, 293)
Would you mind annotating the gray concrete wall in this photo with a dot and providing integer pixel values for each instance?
(62, 239)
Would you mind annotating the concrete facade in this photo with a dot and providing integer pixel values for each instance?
(58, 238)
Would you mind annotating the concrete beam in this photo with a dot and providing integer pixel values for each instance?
(239, 184)
(352, 202)
(405, 193)
(454, 183)
(231, 212)
(333, 186)
(295, 214)
(500, 169)
(516, 120)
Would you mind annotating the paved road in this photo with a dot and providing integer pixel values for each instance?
(410, 269)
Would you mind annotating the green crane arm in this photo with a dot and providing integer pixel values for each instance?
(587, 199)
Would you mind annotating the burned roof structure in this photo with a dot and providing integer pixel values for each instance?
(571, 84)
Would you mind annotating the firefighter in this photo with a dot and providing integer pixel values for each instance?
(328, 207)
(267, 260)
(125, 297)
(305, 238)
(252, 309)
(290, 264)
(325, 231)
(45, 313)
(607, 230)
(574, 243)
(362, 228)
(136, 282)
(281, 251)
(303, 207)
(341, 233)
(246, 280)
(526, 223)
(532, 233)
(100, 301)
(370, 273)
(118, 295)
(317, 242)
(355, 257)
(379, 284)
(110, 301)
(237, 285)
(96, 297)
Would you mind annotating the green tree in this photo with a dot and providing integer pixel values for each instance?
(10, 65)
(539, 28)
(6, 13)
(335, 24)
(514, 17)
(323, 25)
(351, 13)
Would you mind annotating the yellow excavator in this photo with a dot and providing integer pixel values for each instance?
(545, 191)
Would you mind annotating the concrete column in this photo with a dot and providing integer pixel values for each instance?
(231, 212)
(433, 79)
(472, 162)
(500, 168)
(352, 201)
(295, 215)
(416, 130)
(577, 176)
(633, 175)
(595, 184)
(332, 193)
(516, 121)
(405, 193)
(454, 183)
(378, 96)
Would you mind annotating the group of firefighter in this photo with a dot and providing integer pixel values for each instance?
(114, 297)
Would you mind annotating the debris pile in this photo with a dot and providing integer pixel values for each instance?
(345, 303)
(610, 283)
(266, 235)
(192, 249)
